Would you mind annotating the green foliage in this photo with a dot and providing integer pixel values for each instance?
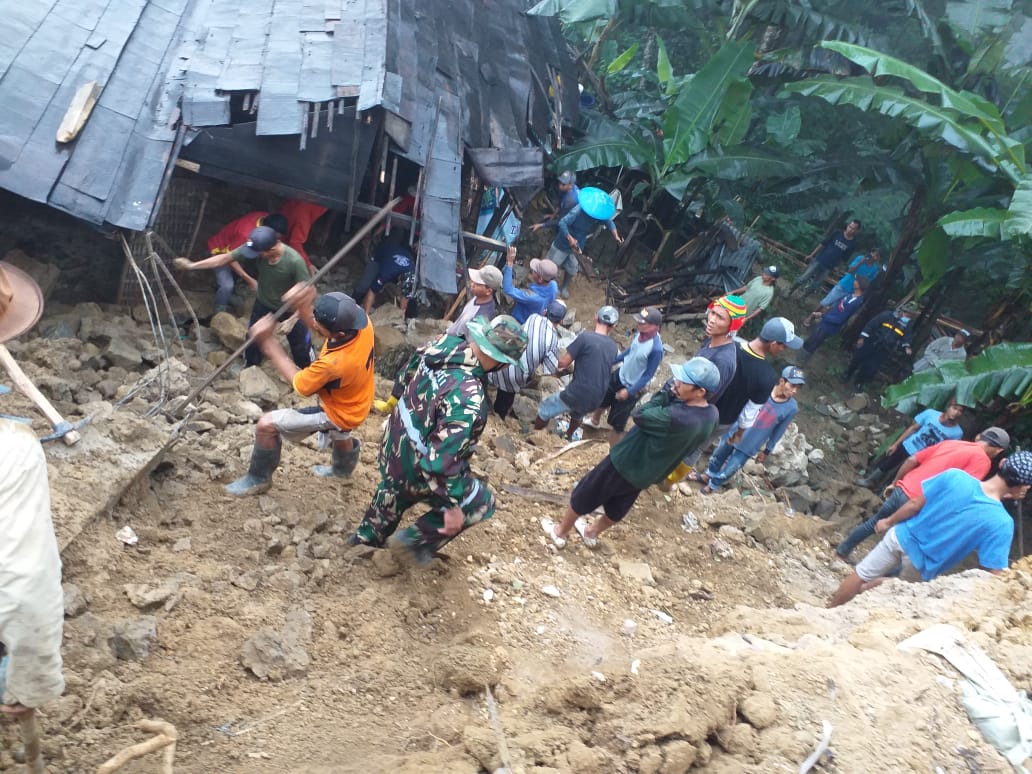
(1001, 372)
(783, 128)
(623, 60)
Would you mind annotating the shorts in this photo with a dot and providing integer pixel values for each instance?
(885, 558)
(619, 410)
(564, 259)
(604, 486)
(553, 406)
(297, 424)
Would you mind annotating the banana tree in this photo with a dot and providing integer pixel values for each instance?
(963, 122)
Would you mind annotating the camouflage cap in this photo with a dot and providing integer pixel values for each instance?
(503, 339)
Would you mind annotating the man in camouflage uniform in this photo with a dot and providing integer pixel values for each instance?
(431, 435)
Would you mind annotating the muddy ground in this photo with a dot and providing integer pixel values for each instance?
(680, 644)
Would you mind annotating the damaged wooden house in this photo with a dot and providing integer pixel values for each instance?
(119, 112)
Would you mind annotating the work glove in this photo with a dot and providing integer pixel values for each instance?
(385, 406)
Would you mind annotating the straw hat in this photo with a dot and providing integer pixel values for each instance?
(21, 302)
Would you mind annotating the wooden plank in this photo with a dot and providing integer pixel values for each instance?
(78, 111)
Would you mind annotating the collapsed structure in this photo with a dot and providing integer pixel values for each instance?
(344, 103)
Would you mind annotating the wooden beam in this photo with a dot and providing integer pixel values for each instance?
(78, 111)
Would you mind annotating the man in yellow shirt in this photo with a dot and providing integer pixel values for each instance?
(342, 377)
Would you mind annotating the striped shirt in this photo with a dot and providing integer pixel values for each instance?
(542, 350)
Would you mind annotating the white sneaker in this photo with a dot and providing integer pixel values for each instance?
(549, 527)
(589, 421)
(581, 525)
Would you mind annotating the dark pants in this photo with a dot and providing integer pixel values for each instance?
(894, 460)
(299, 339)
(866, 529)
(865, 362)
(503, 403)
(819, 336)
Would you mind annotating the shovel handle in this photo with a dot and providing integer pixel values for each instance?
(23, 383)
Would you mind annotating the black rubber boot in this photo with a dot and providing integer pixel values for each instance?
(344, 463)
(259, 473)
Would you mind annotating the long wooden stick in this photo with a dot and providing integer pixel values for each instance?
(30, 738)
(358, 237)
(23, 383)
(166, 738)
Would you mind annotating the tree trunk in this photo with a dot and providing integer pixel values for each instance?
(913, 228)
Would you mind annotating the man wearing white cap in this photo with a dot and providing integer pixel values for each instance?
(758, 292)
(31, 599)
(943, 349)
(483, 283)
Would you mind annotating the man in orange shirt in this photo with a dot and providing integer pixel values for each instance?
(973, 457)
(342, 377)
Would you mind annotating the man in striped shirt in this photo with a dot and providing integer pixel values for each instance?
(542, 350)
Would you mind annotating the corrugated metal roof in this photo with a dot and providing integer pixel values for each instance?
(159, 62)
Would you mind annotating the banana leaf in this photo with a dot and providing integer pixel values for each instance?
(742, 162)
(1002, 371)
(735, 113)
(570, 11)
(688, 122)
(623, 60)
(979, 222)
(784, 127)
(1019, 214)
(934, 258)
(943, 124)
(879, 65)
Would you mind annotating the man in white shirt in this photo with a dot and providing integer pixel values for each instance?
(942, 349)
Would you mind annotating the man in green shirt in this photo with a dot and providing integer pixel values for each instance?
(758, 292)
(280, 267)
(673, 424)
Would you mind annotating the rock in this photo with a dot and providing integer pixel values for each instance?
(385, 565)
(229, 330)
(64, 709)
(802, 498)
(678, 757)
(524, 408)
(183, 544)
(759, 710)
(246, 409)
(504, 446)
(825, 509)
(721, 549)
(638, 571)
(123, 353)
(74, 601)
(857, 402)
(387, 338)
(467, 669)
(277, 655)
(815, 456)
(258, 386)
(148, 596)
(130, 640)
(739, 739)
(248, 581)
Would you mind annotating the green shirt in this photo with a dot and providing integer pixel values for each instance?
(757, 295)
(276, 279)
(665, 430)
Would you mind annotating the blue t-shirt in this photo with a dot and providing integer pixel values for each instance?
(834, 249)
(957, 518)
(857, 268)
(579, 225)
(836, 316)
(930, 432)
(534, 300)
(394, 261)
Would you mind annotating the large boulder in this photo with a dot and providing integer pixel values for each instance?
(276, 655)
(258, 386)
(229, 330)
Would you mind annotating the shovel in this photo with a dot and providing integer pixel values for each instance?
(62, 429)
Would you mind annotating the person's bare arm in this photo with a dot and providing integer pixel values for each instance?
(906, 434)
(211, 262)
(301, 298)
(565, 361)
(242, 273)
(908, 465)
(263, 332)
(906, 511)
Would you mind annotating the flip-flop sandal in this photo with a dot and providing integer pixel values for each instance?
(698, 476)
(707, 491)
(549, 527)
(581, 525)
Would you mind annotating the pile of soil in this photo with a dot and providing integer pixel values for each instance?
(681, 643)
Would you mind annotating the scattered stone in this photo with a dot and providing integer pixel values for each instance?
(739, 739)
(74, 601)
(816, 456)
(130, 640)
(277, 655)
(258, 386)
(690, 523)
(385, 565)
(124, 353)
(639, 571)
(721, 549)
(857, 402)
(248, 581)
(678, 757)
(146, 596)
(387, 339)
(504, 445)
(229, 330)
(550, 591)
(467, 669)
(759, 710)
(181, 545)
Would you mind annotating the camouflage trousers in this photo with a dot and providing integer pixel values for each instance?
(403, 484)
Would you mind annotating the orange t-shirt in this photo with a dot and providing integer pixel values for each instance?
(343, 378)
(968, 456)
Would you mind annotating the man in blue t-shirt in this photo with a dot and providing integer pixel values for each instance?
(826, 256)
(540, 292)
(392, 261)
(932, 533)
(928, 428)
(568, 192)
(866, 266)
